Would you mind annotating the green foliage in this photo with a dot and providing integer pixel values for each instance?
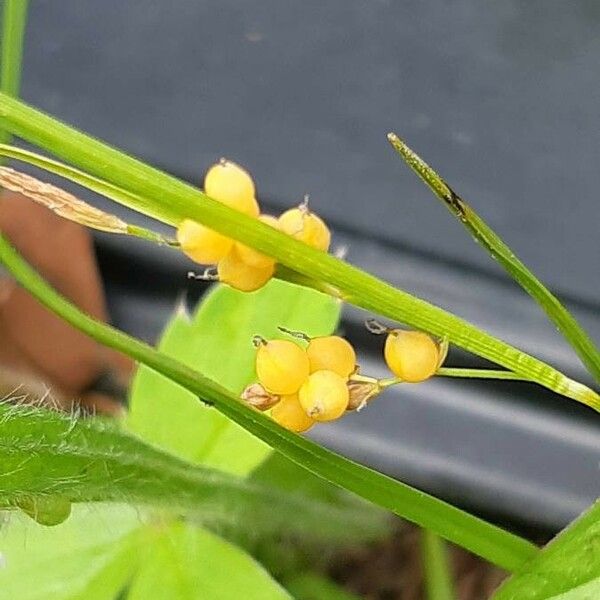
(436, 567)
(491, 542)
(567, 569)
(182, 561)
(169, 199)
(218, 342)
(71, 560)
(490, 241)
(14, 18)
(50, 460)
(309, 586)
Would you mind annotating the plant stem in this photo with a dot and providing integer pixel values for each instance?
(479, 229)
(480, 374)
(488, 541)
(14, 18)
(171, 200)
(438, 578)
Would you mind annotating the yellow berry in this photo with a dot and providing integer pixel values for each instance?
(305, 226)
(281, 366)
(411, 355)
(331, 353)
(233, 271)
(324, 396)
(233, 186)
(202, 244)
(289, 414)
(253, 257)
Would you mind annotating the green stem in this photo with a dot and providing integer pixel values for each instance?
(486, 540)
(171, 200)
(14, 18)
(479, 229)
(480, 374)
(437, 575)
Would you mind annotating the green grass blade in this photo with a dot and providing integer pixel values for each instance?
(169, 199)
(568, 568)
(558, 314)
(486, 540)
(14, 18)
(438, 578)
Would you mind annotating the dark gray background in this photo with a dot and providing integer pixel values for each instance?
(502, 98)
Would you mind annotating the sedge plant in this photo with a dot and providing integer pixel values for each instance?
(185, 489)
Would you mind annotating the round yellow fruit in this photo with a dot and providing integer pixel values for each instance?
(289, 414)
(230, 184)
(412, 356)
(202, 244)
(305, 226)
(331, 353)
(281, 366)
(324, 396)
(233, 271)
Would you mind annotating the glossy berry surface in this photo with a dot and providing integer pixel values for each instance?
(289, 414)
(331, 353)
(281, 366)
(201, 244)
(306, 226)
(411, 355)
(233, 271)
(232, 185)
(324, 396)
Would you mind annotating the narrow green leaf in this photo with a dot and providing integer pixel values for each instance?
(568, 568)
(189, 563)
(66, 562)
(489, 239)
(166, 198)
(218, 342)
(438, 577)
(488, 541)
(14, 18)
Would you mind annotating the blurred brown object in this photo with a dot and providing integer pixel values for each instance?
(391, 569)
(34, 343)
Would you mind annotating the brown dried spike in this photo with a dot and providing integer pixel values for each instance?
(255, 395)
(61, 202)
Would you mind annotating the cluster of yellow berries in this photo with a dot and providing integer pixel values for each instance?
(319, 380)
(239, 265)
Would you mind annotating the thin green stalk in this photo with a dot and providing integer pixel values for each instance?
(438, 578)
(488, 541)
(14, 18)
(166, 198)
(480, 374)
(479, 229)
(449, 372)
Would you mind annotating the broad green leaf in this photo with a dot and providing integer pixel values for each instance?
(218, 342)
(568, 568)
(190, 563)
(71, 560)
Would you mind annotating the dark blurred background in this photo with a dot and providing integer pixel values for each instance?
(502, 98)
